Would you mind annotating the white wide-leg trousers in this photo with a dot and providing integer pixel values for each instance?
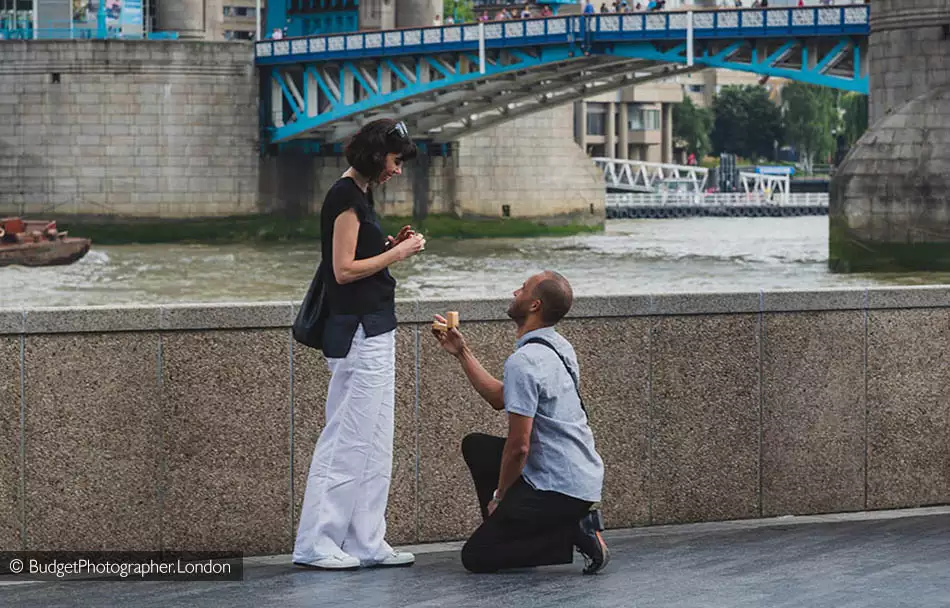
(344, 505)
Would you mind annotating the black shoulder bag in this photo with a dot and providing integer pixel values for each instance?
(566, 366)
(313, 313)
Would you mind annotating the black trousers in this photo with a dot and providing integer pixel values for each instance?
(528, 528)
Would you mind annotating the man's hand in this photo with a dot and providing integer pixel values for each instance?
(490, 388)
(452, 340)
(492, 505)
(404, 233)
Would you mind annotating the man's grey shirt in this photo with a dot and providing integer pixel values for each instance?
(562, 457)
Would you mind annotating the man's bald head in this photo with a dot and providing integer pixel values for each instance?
(555, 294)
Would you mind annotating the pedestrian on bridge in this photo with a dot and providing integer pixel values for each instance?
(342, 520)
(536, 486)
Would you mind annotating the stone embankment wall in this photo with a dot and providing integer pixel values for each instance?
(127, 128)
(192, 427)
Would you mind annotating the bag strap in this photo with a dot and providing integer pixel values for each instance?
(566, 366)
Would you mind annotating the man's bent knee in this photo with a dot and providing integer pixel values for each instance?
(477, 559)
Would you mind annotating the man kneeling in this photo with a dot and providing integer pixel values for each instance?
(537, 486)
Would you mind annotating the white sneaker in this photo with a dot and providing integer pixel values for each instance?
(396, 558)
(334, 562)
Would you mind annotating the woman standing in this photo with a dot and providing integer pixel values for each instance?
(342, 521)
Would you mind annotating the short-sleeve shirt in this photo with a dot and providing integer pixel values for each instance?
(369, 301)
(562, 456)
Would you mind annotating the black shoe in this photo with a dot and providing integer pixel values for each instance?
(590, 542)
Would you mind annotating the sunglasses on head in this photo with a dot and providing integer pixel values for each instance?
(399, 129)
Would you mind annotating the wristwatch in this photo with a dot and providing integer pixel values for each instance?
(494, 496)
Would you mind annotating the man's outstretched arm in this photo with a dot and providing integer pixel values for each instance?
(490, 388)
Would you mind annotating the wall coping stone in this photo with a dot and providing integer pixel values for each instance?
(12, 321)
(59, 320)
(251, 315)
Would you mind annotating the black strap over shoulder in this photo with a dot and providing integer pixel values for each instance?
(566, 366)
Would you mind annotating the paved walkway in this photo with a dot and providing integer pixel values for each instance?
(867, 560)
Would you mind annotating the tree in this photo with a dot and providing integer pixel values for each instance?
(746, 122)
(855, 118)
(693, 125)
(811, 120)
(462, 10)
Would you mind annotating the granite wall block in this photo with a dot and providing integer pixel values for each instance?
(705, 418)
(813, 413)
(93, 466)
(11, 513)
(226, 410)
(908, 394)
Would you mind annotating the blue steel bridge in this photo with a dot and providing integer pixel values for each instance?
(451, 81)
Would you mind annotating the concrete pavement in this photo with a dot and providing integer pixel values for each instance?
(867, 560)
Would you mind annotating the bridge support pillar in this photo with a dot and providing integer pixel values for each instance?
(192, 19)
(610, 140)
(377, 15)
(417, 13)
(479, 178)
(889, 207)
(624, 128)
(580, 124)
(666, 146)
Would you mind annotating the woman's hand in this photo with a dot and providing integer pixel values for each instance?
(410, 247)
(404, 233)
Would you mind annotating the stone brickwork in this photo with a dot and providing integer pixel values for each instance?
(155, 129)
(889, 205)
(170, 130)
(908, 51)
(532, 165)
(417, 13)
(191, 19)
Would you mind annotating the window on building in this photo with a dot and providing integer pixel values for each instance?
(640, 119)
(596, 124)
(238, 35)
(596, 119)
(240, 11)
(697, 88)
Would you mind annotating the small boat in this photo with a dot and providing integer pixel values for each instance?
(38, 243)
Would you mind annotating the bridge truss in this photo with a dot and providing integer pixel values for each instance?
(446, 82)
(641, 176)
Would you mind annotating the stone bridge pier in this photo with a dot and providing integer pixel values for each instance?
(890, 202)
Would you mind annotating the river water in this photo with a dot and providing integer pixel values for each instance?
(629, 257)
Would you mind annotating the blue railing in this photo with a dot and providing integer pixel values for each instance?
(712, 24)
(79, 34)
(60, 30)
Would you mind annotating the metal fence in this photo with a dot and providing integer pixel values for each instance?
(735, 199)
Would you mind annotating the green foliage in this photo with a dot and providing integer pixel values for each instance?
(855, 119)
(448, 226)
(692, 126)
(274, 229)
(811, 121)
(848, 252)
(746, 122)
(462, 10)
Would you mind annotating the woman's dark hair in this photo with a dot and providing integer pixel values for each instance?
(367, 149)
